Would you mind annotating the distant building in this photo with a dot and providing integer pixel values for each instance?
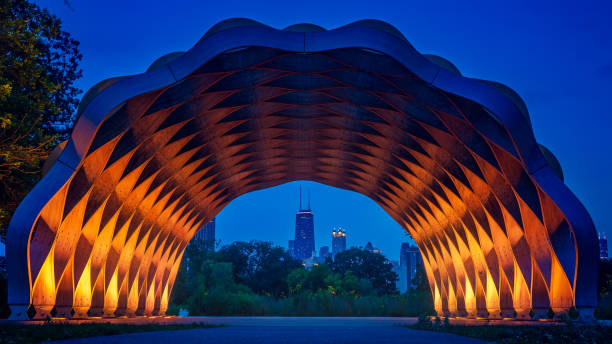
(338, 241)
(603, 246)
(304, 241)
(396, 268)
(371, 248)
(324, 252)
(410, 259)
(313, 261)
(291, 247)
(206, 236)
(403, 269)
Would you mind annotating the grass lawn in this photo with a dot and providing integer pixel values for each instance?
(56, 331)
(532, 334)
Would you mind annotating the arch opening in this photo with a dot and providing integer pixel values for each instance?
(269, 215)
(499, 232)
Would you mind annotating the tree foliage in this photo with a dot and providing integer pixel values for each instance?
(367, 265)
(38, 68)
(260, 266)
(258, 278)
(321, 278)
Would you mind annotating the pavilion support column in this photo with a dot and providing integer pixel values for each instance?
(142, 300)
(460, 310)
(122, 300)
(65, 295)
(156, 305)
(481, 301)
(445, 311)
(97, 300)
(505, 299)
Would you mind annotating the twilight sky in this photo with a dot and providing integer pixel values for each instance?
(556, 54)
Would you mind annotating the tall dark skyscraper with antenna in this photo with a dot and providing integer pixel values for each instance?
(304, 242)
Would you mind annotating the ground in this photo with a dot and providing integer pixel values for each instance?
(278, 330)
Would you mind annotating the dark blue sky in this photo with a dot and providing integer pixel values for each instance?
(556, 54)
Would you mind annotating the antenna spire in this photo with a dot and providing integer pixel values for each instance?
(300, 197)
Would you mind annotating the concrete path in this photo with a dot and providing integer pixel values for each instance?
(300, 330)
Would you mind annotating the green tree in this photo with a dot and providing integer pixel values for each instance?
(38, 68)
(190, 272)
(353, 285)
(318, 278)
(214, 291)
(260, 265)
(367, 265)
(296, 280)
(322, 279)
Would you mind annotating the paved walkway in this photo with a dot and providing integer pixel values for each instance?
(300, 330)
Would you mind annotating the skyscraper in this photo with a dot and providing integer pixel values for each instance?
(206, 236)
(410, 258)
(603, 246)
(324, 251)
(338, 241)
(396, 268)
(304, 242)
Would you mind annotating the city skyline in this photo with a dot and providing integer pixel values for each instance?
(353, 212)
